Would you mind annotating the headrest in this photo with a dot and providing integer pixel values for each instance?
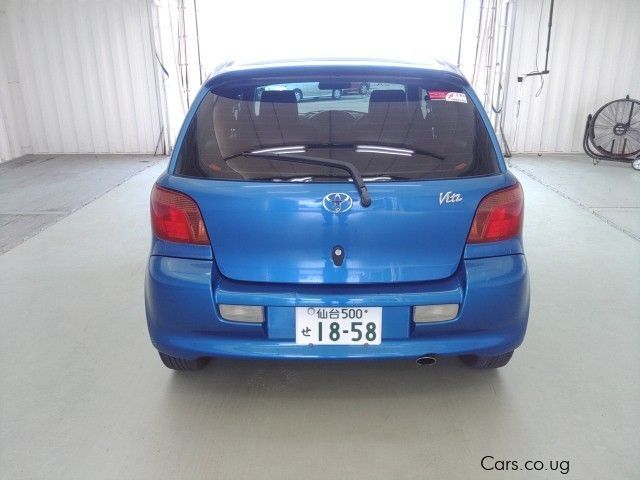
(278, 106)
(388, 96)
(381, 100)
(278, 96)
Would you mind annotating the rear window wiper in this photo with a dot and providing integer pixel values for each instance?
(365, 198)
(310, 178)
(391, 150)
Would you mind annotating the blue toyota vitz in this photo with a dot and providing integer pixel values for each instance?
(377, 225)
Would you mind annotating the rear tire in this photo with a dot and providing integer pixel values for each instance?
(479, 362)
(298, 94)
(336, 94)
(183, 364)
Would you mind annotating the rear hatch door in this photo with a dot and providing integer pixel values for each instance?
(282, 232)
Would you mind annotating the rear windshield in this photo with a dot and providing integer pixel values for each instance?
(389, 129)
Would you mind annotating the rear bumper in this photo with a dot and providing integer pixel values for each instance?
(181, 297)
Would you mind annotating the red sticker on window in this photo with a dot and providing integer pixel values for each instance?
(447, 96)
(437, 95)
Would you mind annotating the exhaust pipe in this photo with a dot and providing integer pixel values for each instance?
(426, 360)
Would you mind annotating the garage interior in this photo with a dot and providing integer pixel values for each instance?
(92, 95)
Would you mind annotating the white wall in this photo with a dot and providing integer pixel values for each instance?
(14, 139)
(594, 58)
(414, 30)
(77, 76)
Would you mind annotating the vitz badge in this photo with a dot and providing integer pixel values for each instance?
(450, 197)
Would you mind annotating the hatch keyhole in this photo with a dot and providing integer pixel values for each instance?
(337, 253)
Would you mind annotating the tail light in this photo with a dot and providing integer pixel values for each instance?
(176, 217)
(499, 216)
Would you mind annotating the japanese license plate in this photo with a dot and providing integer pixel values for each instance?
(338, 326)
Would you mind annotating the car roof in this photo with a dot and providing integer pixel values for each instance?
(239, 68)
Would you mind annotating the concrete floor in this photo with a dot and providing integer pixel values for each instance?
(38, 190)
(84, 396)
(608, 190)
